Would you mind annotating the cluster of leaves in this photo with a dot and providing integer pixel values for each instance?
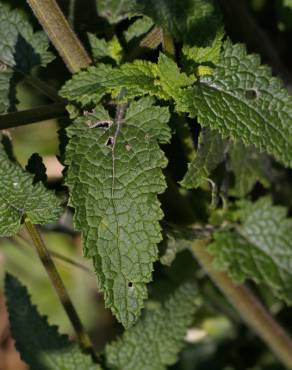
(115, 172)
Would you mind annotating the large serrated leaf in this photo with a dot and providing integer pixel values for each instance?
(20, 50)
(19, 196)
(40, 345)
(114, 177)
(137, 78)
(260, 248)
(154, 342)
(243, 100)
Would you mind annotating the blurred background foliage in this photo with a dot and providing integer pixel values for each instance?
(218, 339)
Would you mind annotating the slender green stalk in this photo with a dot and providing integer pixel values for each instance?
(40, 113)
(21, 241)
(249, 307)
(60, 289)
(60, 33)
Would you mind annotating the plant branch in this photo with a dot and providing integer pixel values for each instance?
(40, 113)
(59, 286)
(60, 33)
(249, 307)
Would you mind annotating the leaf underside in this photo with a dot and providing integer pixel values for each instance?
(114, 177)
(260, 248)
(40, 344)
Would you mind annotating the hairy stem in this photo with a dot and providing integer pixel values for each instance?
(249, 307)
(25, 117)
(60, 33)
(59, 286)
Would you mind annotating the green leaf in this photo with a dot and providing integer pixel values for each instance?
(40, 344)
(101, 48)
(114, 177)
(116, 10)
(249, 167)
(21, 49)
(210, 154)
(19, 196)
(205, 54)
(154, 342)
(171, 79)
(243, 100)
(260, 248)
(138, 28)
(192, 21)
(137, 78)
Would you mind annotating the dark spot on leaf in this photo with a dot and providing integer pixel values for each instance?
(251, 94)
(130, 285)
(110, 142)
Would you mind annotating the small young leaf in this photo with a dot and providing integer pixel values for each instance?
(20, 50)
(171, 79)
(138, 28)
(101, 48)
(243, 100)
(260, 248)
(114, 177)
(19, 196)
(154, 342)
(40, 345)
(210, 153)
(116, 10)
(209, 54)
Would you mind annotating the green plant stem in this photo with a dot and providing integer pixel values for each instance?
(60, 33)
(40, 113)
(59, 286)
(249, 307)
(21, 241)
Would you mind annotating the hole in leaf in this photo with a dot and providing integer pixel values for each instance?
(130, 284)
(101, 124)
(251, 94)
(110, 142)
